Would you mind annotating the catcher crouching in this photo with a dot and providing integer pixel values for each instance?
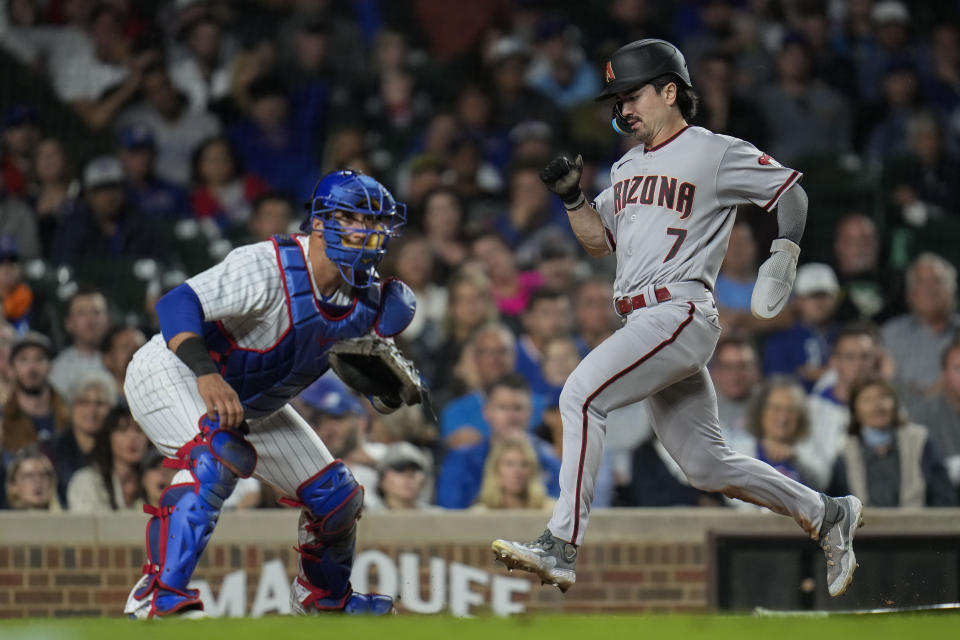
(212, 391)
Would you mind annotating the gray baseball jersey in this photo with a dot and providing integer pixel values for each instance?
(670, 209)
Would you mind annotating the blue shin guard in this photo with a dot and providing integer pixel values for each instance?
(187, 514)
(331, 501)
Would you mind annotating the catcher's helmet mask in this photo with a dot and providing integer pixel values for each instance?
(636, 64)
(350, 197)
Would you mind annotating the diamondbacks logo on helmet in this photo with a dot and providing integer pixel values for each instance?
(609, 73)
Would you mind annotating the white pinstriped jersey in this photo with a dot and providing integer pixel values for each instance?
(245, 292)
(670, 209)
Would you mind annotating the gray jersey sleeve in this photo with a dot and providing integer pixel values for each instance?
(603, 203)
(746, 174)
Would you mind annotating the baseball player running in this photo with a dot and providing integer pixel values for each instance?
(667, 218)
(237, 342)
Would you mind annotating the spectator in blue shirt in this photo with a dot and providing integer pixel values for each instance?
(153, 196)
(507, 409)
(548, 315)
(802, 350)
(269, 143)
(489, 355)
(105, 224)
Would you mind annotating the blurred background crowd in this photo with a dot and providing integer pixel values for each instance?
(141, 141)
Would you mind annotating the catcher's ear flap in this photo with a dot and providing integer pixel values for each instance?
(397, 306)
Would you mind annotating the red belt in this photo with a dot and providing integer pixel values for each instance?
(627, 304)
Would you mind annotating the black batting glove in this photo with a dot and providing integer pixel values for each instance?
(562, 176)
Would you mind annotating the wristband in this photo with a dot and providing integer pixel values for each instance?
(576, 203)
(193, 352)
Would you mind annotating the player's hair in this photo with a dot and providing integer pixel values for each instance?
(759, 402)
(899, 417)
(687, 98)
(512, 381)
(543, 294)
(491, 492)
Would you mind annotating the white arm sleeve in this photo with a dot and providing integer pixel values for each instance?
(247, 282)
(747, 175)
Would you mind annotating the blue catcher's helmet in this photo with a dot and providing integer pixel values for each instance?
(369, 218)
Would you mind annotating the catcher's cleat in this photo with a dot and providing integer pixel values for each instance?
(552, 560)
(143, 609)
(841, 519)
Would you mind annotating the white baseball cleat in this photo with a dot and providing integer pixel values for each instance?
(553, 560)
(140, 609)
(846, 515)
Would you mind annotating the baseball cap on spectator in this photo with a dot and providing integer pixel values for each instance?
(330, 396)
(507, 48)
(102, 171)
(137, 136)
(31, 339)
(815, 277)
(19, 114)
(9, 249)
(403, 456)
(890, 11)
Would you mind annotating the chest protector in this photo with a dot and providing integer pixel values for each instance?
(267, 379)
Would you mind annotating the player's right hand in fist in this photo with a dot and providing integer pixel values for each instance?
(221, 400)
(562, 176)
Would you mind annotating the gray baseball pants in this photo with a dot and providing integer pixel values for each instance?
(660, 355)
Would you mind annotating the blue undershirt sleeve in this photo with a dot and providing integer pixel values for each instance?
(180, 310)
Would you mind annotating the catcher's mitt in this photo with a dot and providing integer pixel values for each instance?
(375, 367)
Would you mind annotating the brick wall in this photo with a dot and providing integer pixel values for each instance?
(57, 581)
(649, 559)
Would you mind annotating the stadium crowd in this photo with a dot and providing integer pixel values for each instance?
(141, 141)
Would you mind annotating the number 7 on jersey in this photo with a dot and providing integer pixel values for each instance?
(681, 236)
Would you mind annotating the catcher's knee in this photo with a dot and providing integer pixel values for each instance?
(334, 499)
(215, 459)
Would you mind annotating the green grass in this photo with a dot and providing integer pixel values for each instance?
(528, 627)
